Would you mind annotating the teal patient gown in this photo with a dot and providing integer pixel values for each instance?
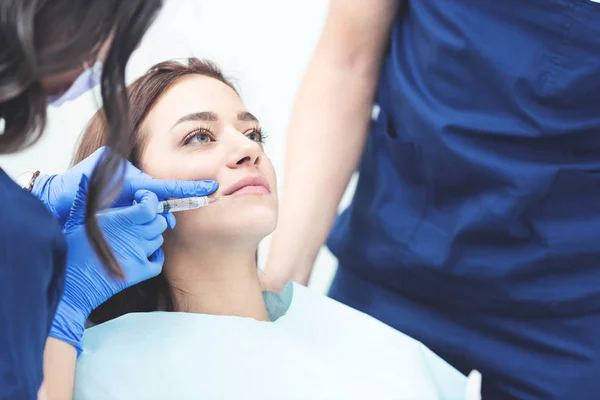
(314, 348)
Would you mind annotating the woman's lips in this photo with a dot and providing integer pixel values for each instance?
(249, 185)
(250, 190)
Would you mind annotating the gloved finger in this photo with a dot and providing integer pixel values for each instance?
(156, 262)
(154, 228)
(150, 246)
(87, 165)
(115, 181)
(146, 208)
(165, 189)
(148, 269)
(171, 220)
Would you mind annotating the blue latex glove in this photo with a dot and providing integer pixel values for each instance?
(135, 236)
(58, 191)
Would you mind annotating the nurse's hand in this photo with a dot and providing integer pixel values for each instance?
(134, 235)
(58, 191)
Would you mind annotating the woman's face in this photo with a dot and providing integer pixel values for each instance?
(200, 129)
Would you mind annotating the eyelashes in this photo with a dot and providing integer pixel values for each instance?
(208, 135)
(198, 132)
(262, 136)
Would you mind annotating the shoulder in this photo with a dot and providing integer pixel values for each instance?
(31, 239)
(374, 350)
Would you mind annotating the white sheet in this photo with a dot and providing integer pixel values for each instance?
(320, 349)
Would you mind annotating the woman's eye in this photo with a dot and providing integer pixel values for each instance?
(198, 137)
(255, 136)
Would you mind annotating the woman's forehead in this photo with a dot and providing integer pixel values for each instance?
(194, 94)
(197, 93)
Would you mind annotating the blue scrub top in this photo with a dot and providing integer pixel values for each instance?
(480, 183)
(32, 267)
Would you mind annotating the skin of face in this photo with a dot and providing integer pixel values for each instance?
(200, 129)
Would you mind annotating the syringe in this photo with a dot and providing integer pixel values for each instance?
(184, 204)
(173, 205)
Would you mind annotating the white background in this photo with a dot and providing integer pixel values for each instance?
(264, 44)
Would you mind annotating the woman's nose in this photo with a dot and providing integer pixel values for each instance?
(246, 153)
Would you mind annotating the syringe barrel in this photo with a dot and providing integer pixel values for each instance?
(183, 204)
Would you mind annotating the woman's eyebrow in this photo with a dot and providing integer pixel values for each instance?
(211, 116)
(198, 116)
(246, 116)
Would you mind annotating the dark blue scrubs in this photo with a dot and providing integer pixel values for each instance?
(475, 227)
(32, 267)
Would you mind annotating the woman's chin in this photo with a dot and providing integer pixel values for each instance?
(248, 208)
(252, 216)
(260, 222)
(239, 220)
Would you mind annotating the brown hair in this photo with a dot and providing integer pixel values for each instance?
(143, 94)
(39, 38)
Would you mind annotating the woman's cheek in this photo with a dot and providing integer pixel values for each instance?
(194, 169)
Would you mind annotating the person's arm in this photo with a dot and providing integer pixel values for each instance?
(327, 132)
(134, 234)
(59, 370)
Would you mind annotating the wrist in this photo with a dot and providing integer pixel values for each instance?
(40, 188)
(68, 325)
(27, 180)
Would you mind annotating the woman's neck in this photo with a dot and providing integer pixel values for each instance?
(215, 279)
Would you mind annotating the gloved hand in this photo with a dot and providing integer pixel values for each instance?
(58, 191)
(135, 236)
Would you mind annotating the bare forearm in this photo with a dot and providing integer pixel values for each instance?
(328, 131)
(59, 370)
(326, 138)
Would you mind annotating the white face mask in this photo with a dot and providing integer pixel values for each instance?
(87, 80)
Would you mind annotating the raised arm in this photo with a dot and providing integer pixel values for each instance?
(327, 132)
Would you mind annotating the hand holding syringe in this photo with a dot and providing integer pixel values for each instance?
(173, 205)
